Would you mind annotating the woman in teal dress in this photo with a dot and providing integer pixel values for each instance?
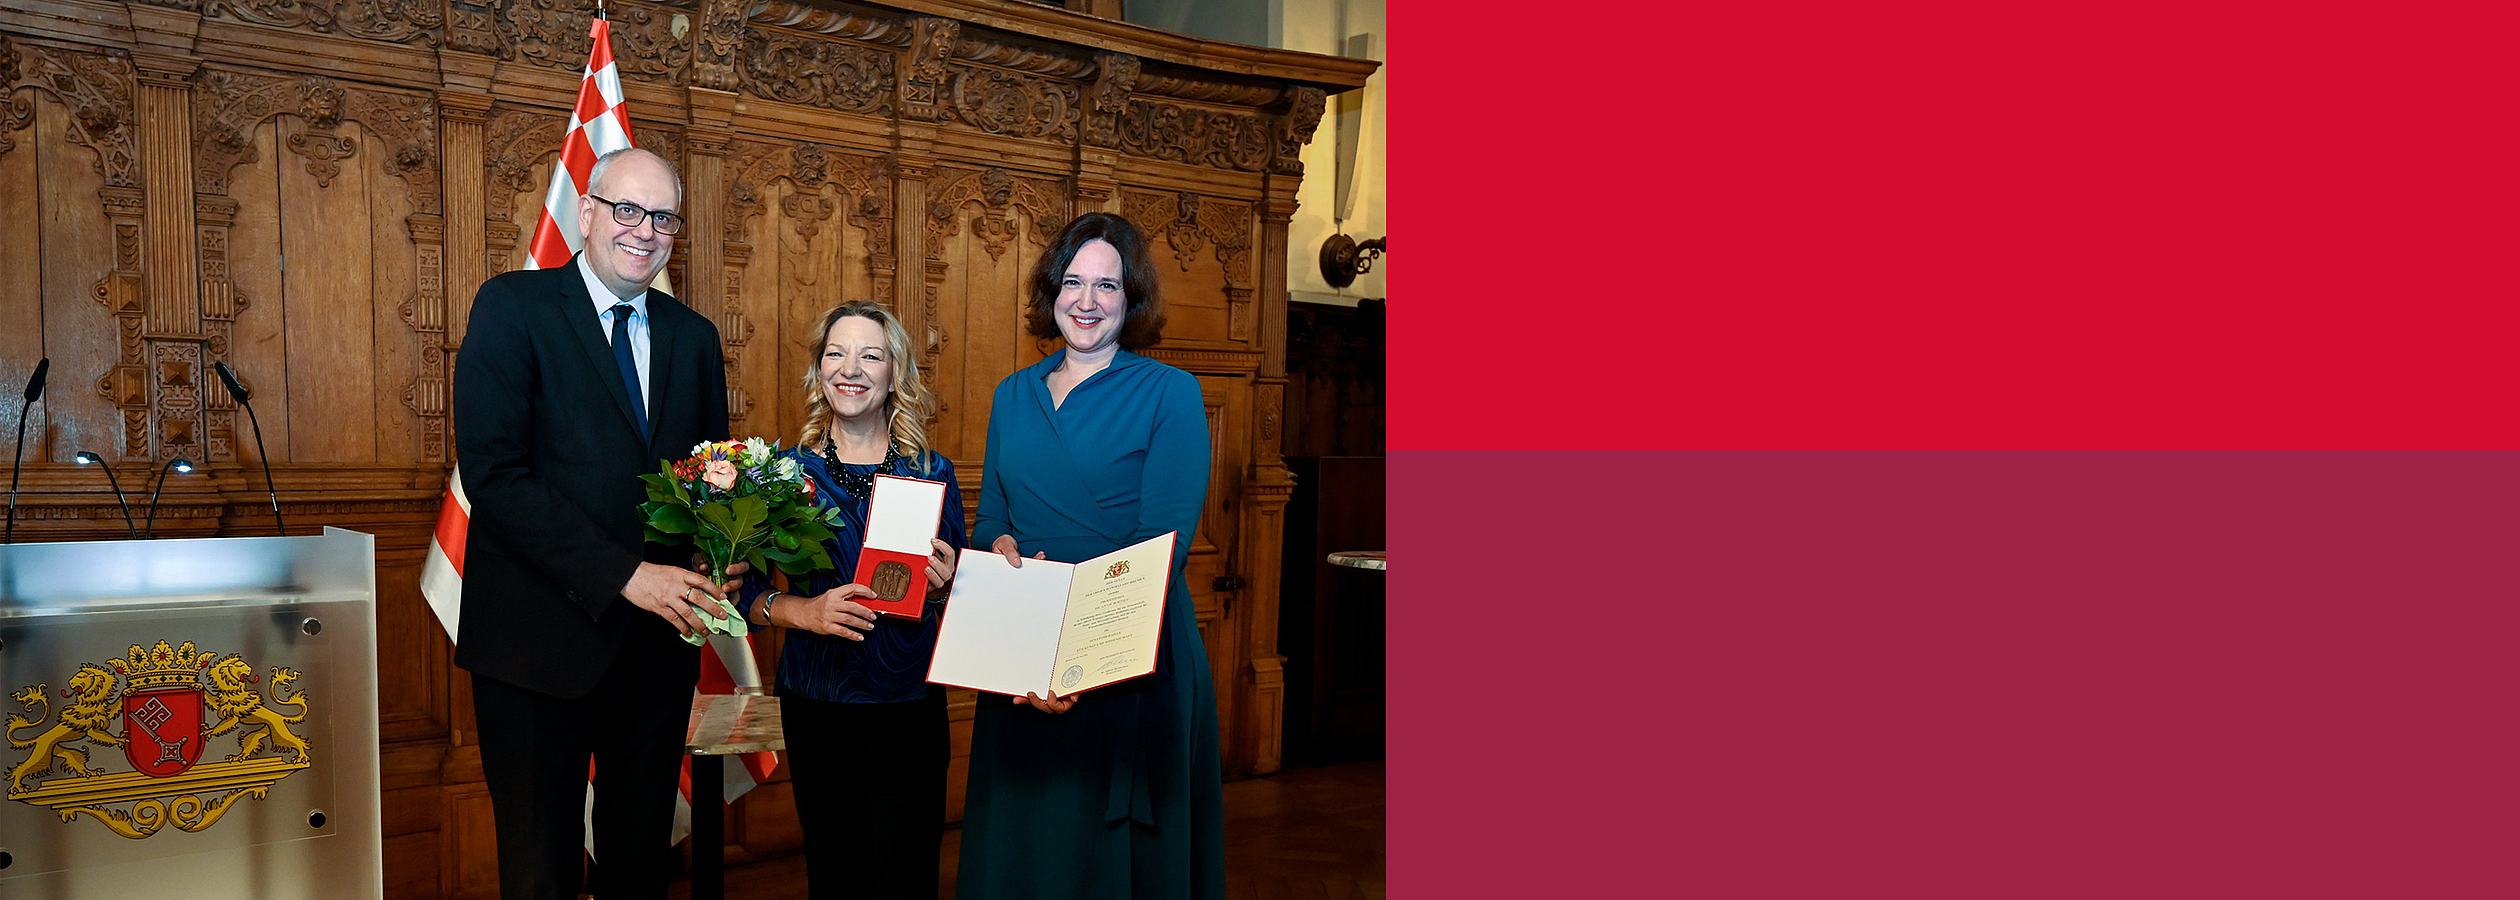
(1114, 793)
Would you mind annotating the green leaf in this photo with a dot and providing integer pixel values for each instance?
(717, 517)
(673, 519)
(750, 512)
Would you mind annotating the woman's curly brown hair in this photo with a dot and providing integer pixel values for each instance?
(1143, 324)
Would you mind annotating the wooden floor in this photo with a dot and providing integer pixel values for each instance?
(1301, 834)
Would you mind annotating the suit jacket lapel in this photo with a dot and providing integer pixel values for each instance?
(578, 310)
(665, 336)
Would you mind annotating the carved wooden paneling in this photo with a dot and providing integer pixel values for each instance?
(62, 251)
(1228, 399)
(815, 227)
(395, 21)
(311, 190)
(245, 217)
(356, 203)
(1205, 244)
(810, 71)
(68, 135)
(984, 229)
(518, 147)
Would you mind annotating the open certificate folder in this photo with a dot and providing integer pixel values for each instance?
(901, 518)
(1053, 626)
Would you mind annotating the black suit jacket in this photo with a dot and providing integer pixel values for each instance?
(551, 455)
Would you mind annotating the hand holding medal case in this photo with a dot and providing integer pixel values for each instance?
(900, 519)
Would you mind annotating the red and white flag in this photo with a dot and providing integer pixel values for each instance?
(442, 575)
(598, 125)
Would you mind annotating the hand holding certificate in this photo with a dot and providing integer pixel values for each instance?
(1052, 626)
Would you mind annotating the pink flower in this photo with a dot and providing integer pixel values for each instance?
(720, 474)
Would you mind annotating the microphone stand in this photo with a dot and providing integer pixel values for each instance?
(86, 457)
(179, 464)
(237, 389)
(34, 392)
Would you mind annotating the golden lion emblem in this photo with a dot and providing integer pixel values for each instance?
(239, 703)
(165, 698)
(94, 699)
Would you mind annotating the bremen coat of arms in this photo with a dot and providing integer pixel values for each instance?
(171, 702)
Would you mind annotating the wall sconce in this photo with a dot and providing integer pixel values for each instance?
(1342, 259)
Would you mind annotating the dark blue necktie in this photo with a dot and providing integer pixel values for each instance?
(629, 366)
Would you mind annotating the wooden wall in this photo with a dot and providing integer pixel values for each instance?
(309, 190)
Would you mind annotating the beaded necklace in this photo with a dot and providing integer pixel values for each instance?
(852, 482)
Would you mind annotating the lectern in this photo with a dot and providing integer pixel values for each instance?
(192, 718)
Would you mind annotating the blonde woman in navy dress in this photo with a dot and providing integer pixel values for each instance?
(867, 739)
(1112, 793)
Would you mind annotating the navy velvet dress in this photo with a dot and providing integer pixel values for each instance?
(890, 666)
(1120, 796)
(855, 707)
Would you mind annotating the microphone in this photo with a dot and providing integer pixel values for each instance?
(34, 392)
(87, 457)
(228, 376)
(179, 464)
(237, 390)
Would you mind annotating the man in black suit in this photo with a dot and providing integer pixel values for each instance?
(572, 382)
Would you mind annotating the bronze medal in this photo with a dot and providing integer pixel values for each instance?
(892, 580)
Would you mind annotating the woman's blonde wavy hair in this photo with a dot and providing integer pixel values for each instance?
(906, 408)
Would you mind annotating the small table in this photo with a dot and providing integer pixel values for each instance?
(1360, 559)
(721, 725)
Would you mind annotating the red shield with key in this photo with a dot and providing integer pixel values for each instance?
(162, 730)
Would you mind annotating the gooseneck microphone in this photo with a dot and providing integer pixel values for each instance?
(86, 457)
(238, 391)
(34, 392)
(178, 464)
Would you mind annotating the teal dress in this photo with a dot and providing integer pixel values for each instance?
(1121, 796)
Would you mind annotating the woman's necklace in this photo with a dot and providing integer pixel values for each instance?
(852, 482)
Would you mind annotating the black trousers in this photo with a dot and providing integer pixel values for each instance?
(869, 781)
(534, 754)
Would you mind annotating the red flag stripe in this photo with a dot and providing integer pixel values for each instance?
(591, 104)
(452, 524)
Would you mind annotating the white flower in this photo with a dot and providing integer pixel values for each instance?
(755, 452)
(784, 469)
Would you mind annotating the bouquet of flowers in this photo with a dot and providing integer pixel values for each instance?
(737, 502)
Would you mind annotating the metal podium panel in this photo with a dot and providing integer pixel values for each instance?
(197, 713)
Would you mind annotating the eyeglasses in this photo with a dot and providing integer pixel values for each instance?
(631, 214)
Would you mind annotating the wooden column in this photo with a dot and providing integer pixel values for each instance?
(171, 292)
(166, 65)
(464, 111)
(914, 299)
(708, 136)
(1265, 493)
(922, 84)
